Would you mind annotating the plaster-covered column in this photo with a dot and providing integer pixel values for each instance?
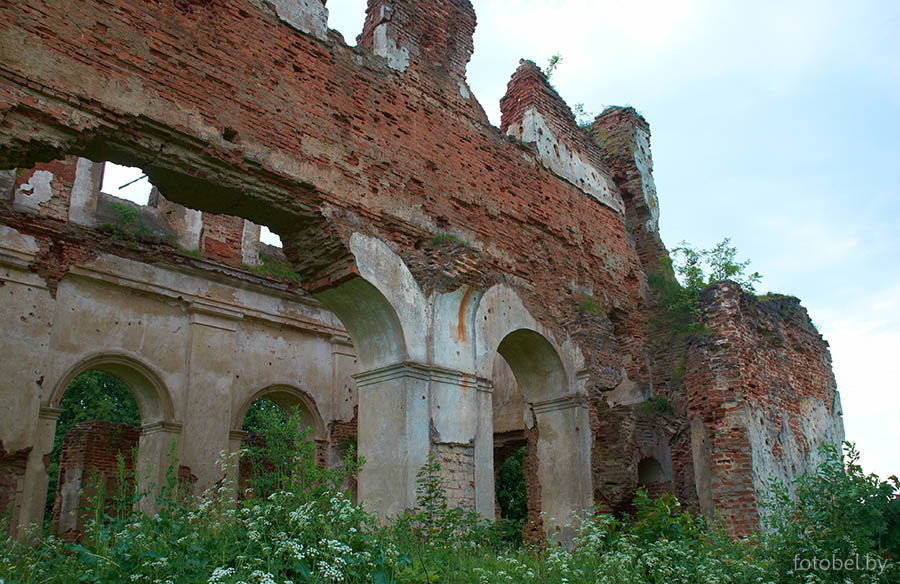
(462, 437)
(410, 410)
(208, 409)
(157, 452)
(233, 464)
(31, 499)
(564, 467)
(83, 202)
(393, 435)
(484, 451)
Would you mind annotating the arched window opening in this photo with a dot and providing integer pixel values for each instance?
(279, 448)
(653, 477)
(94, 450)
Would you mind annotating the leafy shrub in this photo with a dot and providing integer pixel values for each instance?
(836, 512)
(655, 405)
(680, 278)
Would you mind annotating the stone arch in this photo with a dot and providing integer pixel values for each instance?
(153, 398)
(501, 312)
(654, 476)
(287, 397)
(383, 310)
(556, 422)
(158, 427)
(535, 363)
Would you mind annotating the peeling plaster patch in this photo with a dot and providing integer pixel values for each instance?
(7, 184)
(309, 16)
(643, 160)
(83, 204)
(36, 191)
(463, 90)
(567, 164)
(626, 393)
(13, 241)
(397, 57)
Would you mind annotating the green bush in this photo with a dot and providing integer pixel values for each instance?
(837, 512)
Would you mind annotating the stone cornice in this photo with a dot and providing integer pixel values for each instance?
(205, 304)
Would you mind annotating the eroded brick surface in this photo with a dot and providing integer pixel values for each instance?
(762, 384)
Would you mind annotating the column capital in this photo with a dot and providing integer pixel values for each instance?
(564, 402)
(422, 372)
(161, 427)
(49, 413)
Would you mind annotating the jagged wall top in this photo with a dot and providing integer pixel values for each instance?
(430, 34)
(533, 112)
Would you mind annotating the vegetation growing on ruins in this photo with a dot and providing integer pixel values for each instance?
(655, 405)
(272, 266)
(590, 306)
(680, 278)
(307, 531)
(444, 239)
(127, 225)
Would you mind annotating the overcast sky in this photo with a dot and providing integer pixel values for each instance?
(774, 122)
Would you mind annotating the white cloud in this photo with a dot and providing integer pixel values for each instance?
(865, 348)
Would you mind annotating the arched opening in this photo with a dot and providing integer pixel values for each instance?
(653, 477)
(282, 434)
(95, 449)
(554, 464)
(115, 433)
(510, 484)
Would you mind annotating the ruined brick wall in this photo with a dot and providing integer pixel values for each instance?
(231, 109)
(762, 398)
(221, 237)
(45, 189)
(625, 437)
(87, 462)
(398, 155)
(623, 137)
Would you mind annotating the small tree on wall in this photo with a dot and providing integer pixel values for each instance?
(681, 277)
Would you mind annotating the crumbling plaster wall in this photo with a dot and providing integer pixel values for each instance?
(160, 328)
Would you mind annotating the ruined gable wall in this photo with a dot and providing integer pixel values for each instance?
(762, 397)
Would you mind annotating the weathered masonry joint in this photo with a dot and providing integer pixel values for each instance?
(444, 287)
